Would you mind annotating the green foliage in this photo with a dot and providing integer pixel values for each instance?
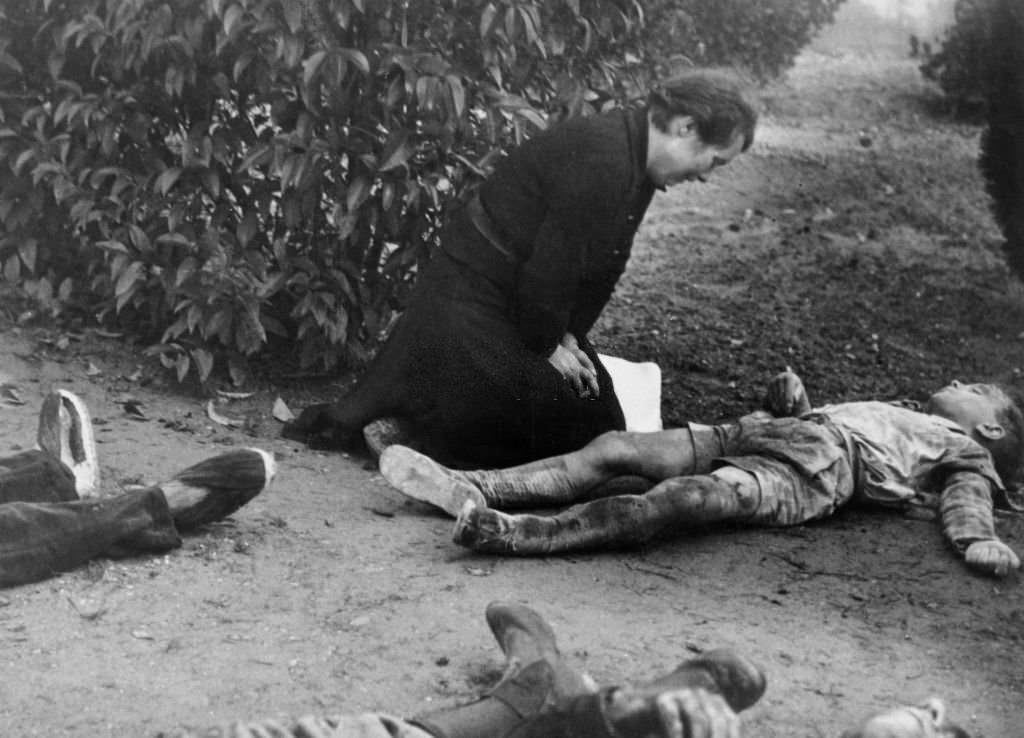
(1001, 158)
(761, 36)
(962, 64)
(217, 173)
(980, 68)
(217, 176)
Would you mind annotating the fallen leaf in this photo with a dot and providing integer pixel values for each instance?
(142, 634)
(9, 393)
(478, 572)
(216, 417)
(282, 412)
(93, 370)
(133, 409)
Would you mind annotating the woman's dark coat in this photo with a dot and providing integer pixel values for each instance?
(467, 360)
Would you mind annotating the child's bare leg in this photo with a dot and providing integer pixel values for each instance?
(558, 480)
(571, 477)
(673, 505)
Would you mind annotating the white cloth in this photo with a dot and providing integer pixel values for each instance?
(638, 387)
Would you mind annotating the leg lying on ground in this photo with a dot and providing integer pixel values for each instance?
(535, 678)
(38, 540)
(556, 481)
(35, 476)
(540, 696)
(613, 522)
(45, 528)
(699, 699)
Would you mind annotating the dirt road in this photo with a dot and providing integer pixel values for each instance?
(853, 243)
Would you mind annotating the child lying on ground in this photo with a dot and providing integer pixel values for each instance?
(540, 695)
(787, 466)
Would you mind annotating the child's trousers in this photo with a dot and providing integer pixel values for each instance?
(45, 529)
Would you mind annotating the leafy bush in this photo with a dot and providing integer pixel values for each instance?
(980, 68)
(1002, 143)
(216, 176)
(218, 173)
(962, 64)
(761, 36)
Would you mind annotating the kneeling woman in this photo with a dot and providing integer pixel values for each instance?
(490, 364)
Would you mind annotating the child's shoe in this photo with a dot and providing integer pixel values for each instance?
(216, 487)
(66, 433)
(418, 476)
(525, 638)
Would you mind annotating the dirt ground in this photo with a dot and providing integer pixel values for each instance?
(852, 243)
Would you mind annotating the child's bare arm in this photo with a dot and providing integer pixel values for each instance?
(967, 521)
(786, 395)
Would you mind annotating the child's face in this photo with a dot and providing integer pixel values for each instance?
(968, 405)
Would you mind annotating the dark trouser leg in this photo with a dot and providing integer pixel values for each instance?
(35, 476)
(40, 540)
(613, 522)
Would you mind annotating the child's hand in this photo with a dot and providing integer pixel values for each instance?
(992, 557)
(686, 712)
(786, 395)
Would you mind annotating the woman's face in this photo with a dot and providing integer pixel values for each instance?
(684, 157)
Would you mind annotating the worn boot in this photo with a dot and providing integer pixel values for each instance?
(632, 711)
(526, 638)
(421, 478)
(536, 484)
(535, 679)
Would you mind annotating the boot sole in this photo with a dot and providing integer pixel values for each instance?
(66, 433)
(422, 479)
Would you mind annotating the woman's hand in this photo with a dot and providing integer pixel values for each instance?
(575, 367)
